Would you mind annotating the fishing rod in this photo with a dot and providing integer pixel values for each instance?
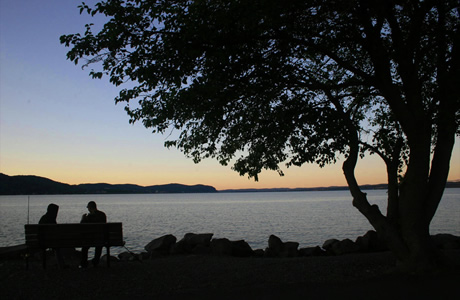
(28, 208)
(135, 257)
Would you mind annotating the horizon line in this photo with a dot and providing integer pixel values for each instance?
(229, 189)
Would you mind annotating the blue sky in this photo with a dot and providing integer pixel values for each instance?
(57, 122)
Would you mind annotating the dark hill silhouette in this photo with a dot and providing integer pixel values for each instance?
(35, 185)
(29, 185)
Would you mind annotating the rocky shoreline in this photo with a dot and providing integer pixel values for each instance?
(205, 244)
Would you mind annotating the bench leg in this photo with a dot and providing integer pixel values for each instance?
(108, 257)
(44, 258)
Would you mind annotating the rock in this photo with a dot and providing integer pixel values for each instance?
(259, 253)
(289, 249)
(275, 244)
(201, 250)
(336, 247)
(446, 241)
(161, 245)
(112, 258)
(344, 247)
(241, 249)
(221, 247)
(371, 242)
(276, 248)
(270, 253)
(126, 256)
(362, 244)
(198, 239)
(311, 251)
(327, 245)
(178, 248)
(190, 241)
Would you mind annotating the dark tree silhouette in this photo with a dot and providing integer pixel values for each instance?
(264, 83)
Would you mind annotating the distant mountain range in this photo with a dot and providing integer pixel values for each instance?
(35, 185)
(329, 188)
(449, 184)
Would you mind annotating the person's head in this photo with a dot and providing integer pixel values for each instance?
(52, 210)
(92, 207)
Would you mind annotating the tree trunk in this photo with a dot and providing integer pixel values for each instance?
(384, 227)
(406, 234)
(408, 238)
(422, 254)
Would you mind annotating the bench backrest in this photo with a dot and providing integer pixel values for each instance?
(74, 235)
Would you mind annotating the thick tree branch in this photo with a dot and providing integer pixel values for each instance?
(404, 51)
(449, 104)
(372, 212)
(381, 61)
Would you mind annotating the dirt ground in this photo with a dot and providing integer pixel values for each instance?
(357, 276)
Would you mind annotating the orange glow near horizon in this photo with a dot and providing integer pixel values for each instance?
(370, 170)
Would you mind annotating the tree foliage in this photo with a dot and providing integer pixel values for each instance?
(262, 83)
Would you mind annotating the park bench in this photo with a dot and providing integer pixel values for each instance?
(43, 236)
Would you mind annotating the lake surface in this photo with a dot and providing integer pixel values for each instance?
(309, 218)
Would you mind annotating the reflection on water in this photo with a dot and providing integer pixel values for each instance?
(305, 217)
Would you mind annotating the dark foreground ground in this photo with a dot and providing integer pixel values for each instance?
(357, 276)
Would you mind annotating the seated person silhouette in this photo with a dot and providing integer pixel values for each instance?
(50, 218)
(94, 216)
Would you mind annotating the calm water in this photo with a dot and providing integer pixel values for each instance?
(309, 218)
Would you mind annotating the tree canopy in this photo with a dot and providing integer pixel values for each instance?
(265, 83)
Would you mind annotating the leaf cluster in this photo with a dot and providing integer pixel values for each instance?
(264, 82)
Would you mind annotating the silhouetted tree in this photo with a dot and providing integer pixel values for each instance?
(262, 83)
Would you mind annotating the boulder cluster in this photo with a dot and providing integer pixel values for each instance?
(205, 244)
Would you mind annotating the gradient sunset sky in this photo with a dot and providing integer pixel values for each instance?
(57, 122)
